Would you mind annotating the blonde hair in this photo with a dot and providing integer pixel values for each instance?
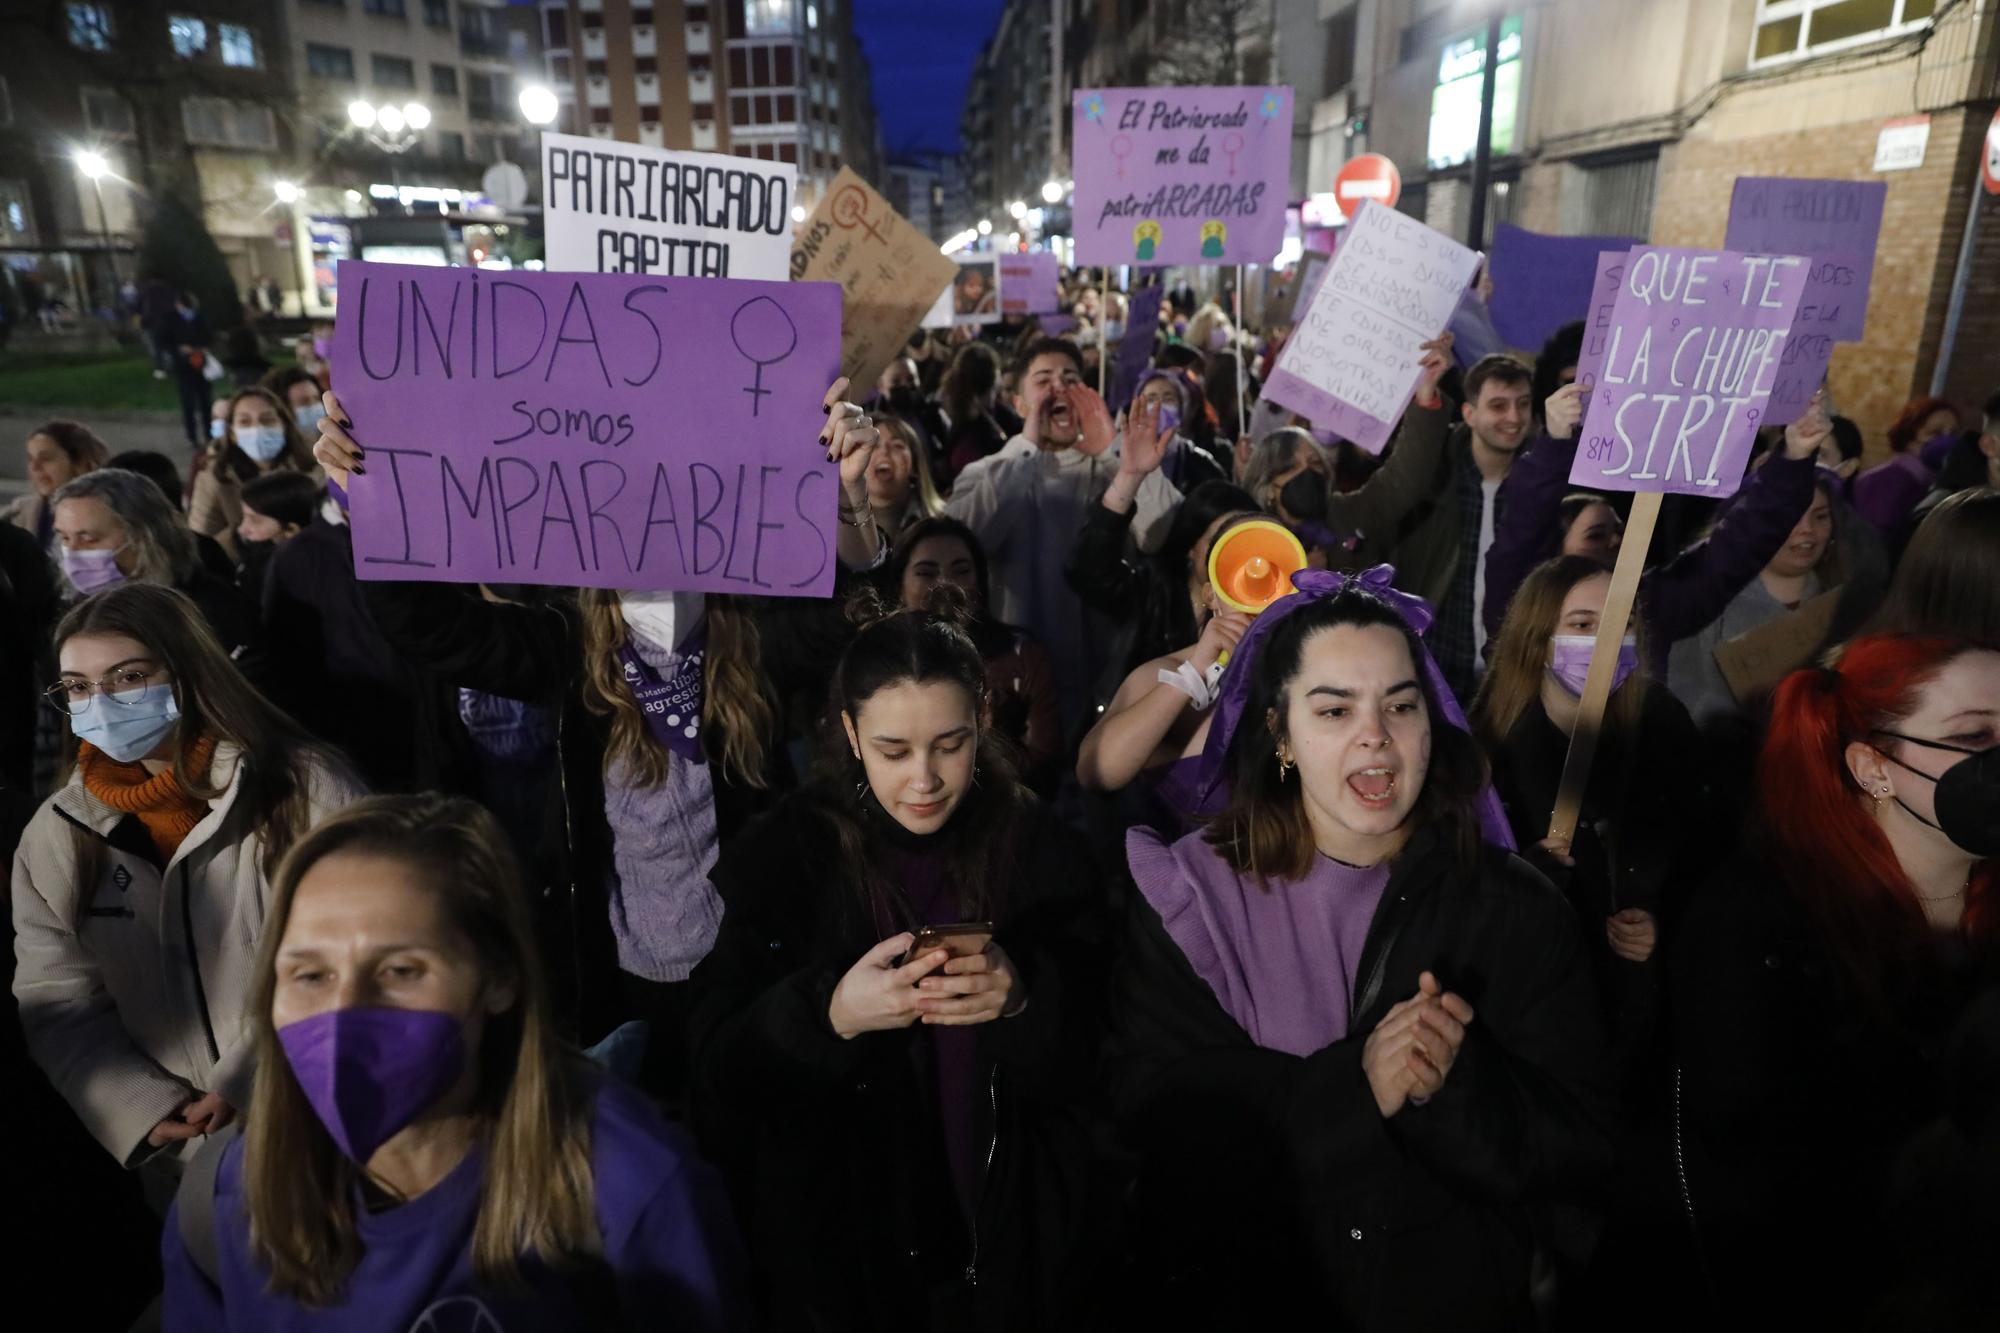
(538, 1195)
(734, 703)
(1521, 655)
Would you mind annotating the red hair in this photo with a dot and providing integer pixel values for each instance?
(1837, 861)
(1903, 430)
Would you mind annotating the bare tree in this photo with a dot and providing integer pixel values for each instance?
(1212, 42)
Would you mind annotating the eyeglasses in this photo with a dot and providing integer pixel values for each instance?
(126, 686)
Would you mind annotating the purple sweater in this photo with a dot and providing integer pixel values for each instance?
(1676, 597)
(669, 1259)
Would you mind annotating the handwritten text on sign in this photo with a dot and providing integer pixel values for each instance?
(1696, 340)
(1351, 362)
(1181, 175)
(626, 208)
(597, 430)
(1604, 287)
(1028, 284)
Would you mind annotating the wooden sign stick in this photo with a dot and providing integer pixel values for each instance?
(1236, 346)
(1104, 331)
(1603, 665)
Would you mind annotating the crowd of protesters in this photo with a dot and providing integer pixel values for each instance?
(1028, 936)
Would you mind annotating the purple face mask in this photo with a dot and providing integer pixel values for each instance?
(370, 1072)
(1569, 661)
(322, 348)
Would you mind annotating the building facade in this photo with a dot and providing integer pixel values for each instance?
(780, 80)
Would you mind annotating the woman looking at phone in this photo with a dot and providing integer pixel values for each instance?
(904, 1134)
(1351, 1036)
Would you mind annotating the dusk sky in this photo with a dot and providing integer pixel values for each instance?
(922, 53)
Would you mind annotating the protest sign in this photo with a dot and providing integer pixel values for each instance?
(1028, 284)
(1135, 347)
(1181, 175)
(596, 430)
(1293, 290)
(973, 297)
(889, 272)
(1696, 340)
(1597, 316)
(612, 207)
(1351, 362)
(1541, 283)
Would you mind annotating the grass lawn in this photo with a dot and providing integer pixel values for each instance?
(85, 380)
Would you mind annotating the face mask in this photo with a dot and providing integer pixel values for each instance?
(217, 428)
(905, 398)
(309, 418)
(1569, 661)
(369, 1072)
(1304, 496)
(322, 348)
(89, 571)
(127, 733)
(1967, 799)
(1114, 329)
(262, 443)
(660, 618)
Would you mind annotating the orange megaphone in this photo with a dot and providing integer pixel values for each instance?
(1251, 565)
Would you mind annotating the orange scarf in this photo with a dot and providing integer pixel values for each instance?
(167, 811)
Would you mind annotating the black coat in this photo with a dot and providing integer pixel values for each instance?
(1795, 1097)
(833, 1147)
(1269, 1184)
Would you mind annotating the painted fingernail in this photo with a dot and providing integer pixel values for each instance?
(359, 470)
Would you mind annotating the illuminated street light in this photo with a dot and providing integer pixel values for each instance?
(362, 114)
(287, 192)
(416, 115)
(390, 119)
(985, 227)
(539, 104)
(1052, 192)
(92, 164)
(1017, 209)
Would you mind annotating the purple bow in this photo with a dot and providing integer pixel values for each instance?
(1198, 792)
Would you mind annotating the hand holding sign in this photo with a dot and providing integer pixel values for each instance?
(850, 438)
(1431, 366)
(1563, 410)
(1804, 437)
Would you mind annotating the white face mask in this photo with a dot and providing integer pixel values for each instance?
(309, 418)
(662, 619)
(262, 443)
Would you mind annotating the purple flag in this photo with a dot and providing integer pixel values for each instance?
(1181, 175)
(1542, 282)
(1835, 224)
(1028, 284)
(1695, 345)
(1135, 349)
(598, 430)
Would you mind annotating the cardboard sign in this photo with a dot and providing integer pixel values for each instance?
(1835, 224)
(1028, 284)
(1351, 362)
(888, 271)
(1541, 283)
(594, 430)
(1697, 337)
(1181, 175)
(1597, 316)
(1755, 661)
(613, 207)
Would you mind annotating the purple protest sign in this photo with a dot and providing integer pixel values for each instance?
(1351, 362)
(1597, 316)
(1028, 284)
(1541, 283)
(596, 430)
(1695, 344)
(1135, 347)
(1835, 224)
(1181, 175)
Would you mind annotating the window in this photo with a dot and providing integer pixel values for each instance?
(238, 45)
(812, 14)
(1613, 197)
(788, 152)
(558, 27)
(787, 67)
(89, 26)
(649, 113)
(760, 67)
(642, 16)
(559, 68)
(6, 105)
(105, 112)
(596, 69)
(763, 18)
(386, 8)
(739, 67)
(391, 72)
(451, 145)
(189, 36)
(646, 66)
(697, 13)
(17, 219)
(437, 13)
(788, 108)
(216, 122)
(702, 110)
(1788, 29)
(600, 115)
(698, 66)
(444, 80)
(330, 62)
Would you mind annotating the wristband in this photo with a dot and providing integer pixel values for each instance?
(1198, 686)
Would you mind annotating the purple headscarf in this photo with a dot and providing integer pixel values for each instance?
(1197, 790)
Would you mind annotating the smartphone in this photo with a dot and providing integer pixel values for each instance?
(960, 941)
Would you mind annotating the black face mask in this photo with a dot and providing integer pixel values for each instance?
(1304, 497)
(906, 399)
(1967, 799)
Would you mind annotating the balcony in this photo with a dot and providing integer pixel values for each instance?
(644, 41)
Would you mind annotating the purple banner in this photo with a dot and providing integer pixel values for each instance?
(1835, 224)
(594, 430)
(1351, 362)
(1028, 284)
(1181, 175)
(1541, 283)
(1597, 316)
(1695, 344)
(1135, 348)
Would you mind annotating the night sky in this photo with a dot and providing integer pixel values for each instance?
(922, 53)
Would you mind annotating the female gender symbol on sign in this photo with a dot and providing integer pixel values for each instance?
(764, 333)
(850, 210)
(1121, 148)
(1232, 144)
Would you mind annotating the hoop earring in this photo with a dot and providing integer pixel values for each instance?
(1284, 767)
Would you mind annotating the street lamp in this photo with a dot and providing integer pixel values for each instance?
(93, 165)
(985, 227)
(393, 129)
(1052, 192)
(289, 195)
(287, 192)
(1017, 209)
(538, 104)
